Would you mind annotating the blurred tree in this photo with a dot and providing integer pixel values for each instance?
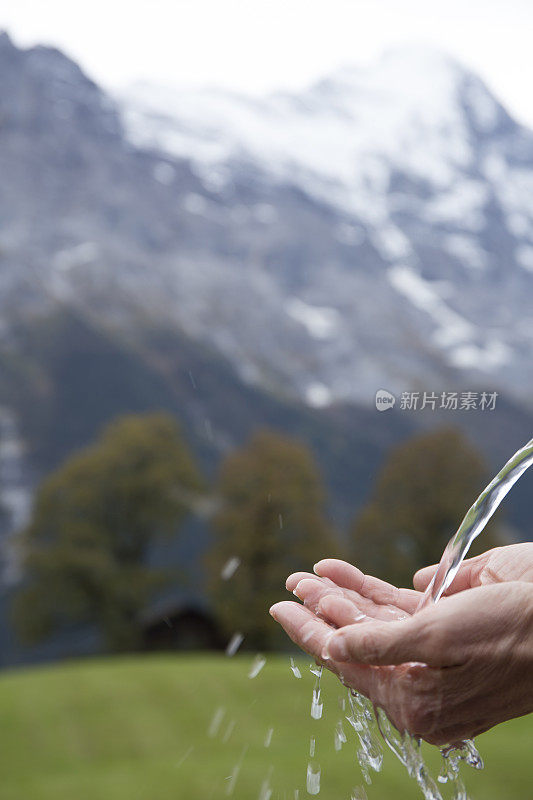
(84, 551)
(420, 497)
(272, 519)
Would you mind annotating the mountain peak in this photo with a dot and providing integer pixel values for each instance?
(5, 41)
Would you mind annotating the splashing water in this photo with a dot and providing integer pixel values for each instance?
(313, 778)
(229, 731)
(370, 753)
(294, 668)
(216, 721)
(234, 643)
(339, 736)
(265, 793)
(257, 665)
(230, 568)
(405, 747)
(232, 779)
(316, 704)
(268, 737)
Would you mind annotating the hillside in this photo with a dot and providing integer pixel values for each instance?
(138, 729)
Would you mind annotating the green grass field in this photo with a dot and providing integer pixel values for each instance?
(137, 729)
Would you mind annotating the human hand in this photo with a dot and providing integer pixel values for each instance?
(354, 596)
(511, 563)
(476, 649)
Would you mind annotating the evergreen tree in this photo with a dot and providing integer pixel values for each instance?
(420, 497)
(84, 553)
(272, 519)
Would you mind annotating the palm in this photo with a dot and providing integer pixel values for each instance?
(342, 594)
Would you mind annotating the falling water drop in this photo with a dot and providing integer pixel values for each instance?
(234, 644)
(340, 736)
(295, 669)
(257, 665)
(216, 722)
(230, 567)
(313, 778)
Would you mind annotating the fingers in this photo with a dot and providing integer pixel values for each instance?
(341, 572)
(347, 608)
(468, 576)
(339, 610)
(388, 643)
(348, 576)
(311, 634)
(304, 628)
(293, 580)
(312, 590)
(423, 577)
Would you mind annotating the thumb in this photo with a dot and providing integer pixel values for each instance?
(423, 577)
(382, 643)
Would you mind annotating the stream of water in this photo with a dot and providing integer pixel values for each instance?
(405, 747)
(475, 521)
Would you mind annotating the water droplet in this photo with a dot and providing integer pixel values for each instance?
(232, 779)
(316, 705)
(257, 665)
(340, 736)
(184, 756)
(265, 792)
(268, 737)
(230, 567)
(295, 669)
(229, 731)
(234, 644)
(216, 722)
(313, 779)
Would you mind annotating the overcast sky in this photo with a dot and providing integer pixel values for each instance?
(260, 45)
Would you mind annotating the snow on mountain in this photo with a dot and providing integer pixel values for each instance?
(374, 230)
(341, 138)
(422, 165)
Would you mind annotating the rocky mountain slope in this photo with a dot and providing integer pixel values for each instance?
(429, 180)
(374, 230)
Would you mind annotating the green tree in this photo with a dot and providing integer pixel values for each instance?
(272, 519)
(84, 552)
(421, 495)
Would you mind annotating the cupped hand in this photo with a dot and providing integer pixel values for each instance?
(511, 563)
(474, 652)
(351, 596)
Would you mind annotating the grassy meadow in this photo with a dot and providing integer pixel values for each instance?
(137, 729)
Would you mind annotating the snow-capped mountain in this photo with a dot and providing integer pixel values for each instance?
(428, 185)
(375, 230)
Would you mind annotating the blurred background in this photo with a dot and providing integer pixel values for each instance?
(228, 230)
